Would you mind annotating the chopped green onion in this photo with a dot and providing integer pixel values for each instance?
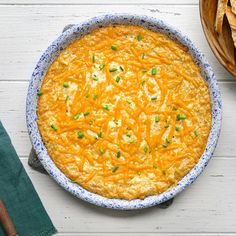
(164, 145)
(118, 154)
(95, 78)
(128, 101)
(166, 126)
(87, 95)
(112, 69)
(100, 134)
(177, 128)
(65, 85)
(117, 79)
(90, 122)
(115, 121)
(121, 68)
(102, 151)
(86, 113)
(80, 134)
(93, 58)
(167, 140)
(196, 133)
(180, 117)
(175, 108)
(145, 149)
(67, 98)
(39, 93)
(138, 173)
(154, 166)
(145, 70)
(114, 47)
(114, 169)
(143, 82)
(106, 107)
(154, 71)
(139, 38)
(101, 66)
(76, 116)
(154, 98)
(128, 135)
(95, 97)
(142, 55)
(164, 172)
(157, 119)
(54, 127)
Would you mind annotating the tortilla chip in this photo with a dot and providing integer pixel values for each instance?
(221, 9)
(233, 6)
(232, 23)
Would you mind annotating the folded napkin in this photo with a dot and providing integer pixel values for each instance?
(19, 195)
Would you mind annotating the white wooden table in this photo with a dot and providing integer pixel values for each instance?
(208, 207)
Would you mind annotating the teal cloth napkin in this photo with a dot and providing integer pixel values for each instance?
(19, 195)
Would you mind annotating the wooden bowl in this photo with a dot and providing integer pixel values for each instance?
(221, 45)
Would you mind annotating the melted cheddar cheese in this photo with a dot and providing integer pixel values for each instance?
(124, 112)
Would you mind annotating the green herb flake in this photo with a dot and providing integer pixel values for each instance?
(95, 97)
(106, 107)
(87, 95)
(157, 119)
(180, 117)
(54, 127)
(117, 79)
(128, 135)
(154, 98)
(114, 169)
(139, 37)
(143, 82)
(65, 85)
(121, 68)
(112, 69)
(154, 71)
(90, 122)
(177, 128)
(142, 55)
(164, 172)
(115, 121)
(166, 126)
(101, 151)
(67, 98)
(80, 134)
(145, 149)
(167, 140)
(114, 47)
(196, 133)
(86, 113)
(128, 101)
(144, 70)
(154, 166)
(139, 173)
(39, 93)
(175, 108)
(101, 66)
(93, 58)
(118, 154)
(76, 116)
(95, 78)
(164, 145)
(100, 134)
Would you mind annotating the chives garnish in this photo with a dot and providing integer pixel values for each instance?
(167, 140)
(180, 117)
(121, 68)
(118, 154)
(128, 101)
(54, 127)
(139, 38)
(80, 134)
(115, 121)
(117, 79)
(166, 126)
(164, 172)
(164, 145)
(145, 149)
(177, 128)
(154, 98)
(128, 135)
(100, 134)
(90, 122)
(106, 107)
(138, 173)
(95, 97)
(101, 66)
(67, 98)
(114, 47)
(114, 169)
(95, 78)
(65, 85)
(87, 95)
(142, 55)
(86, 113)
(157, 119)
(39, 93)
(102, 151)
(144, 71)
(112, 69)
(196, 133)
(76, 116)
(154, 71)
(143, 82)
(93, 58)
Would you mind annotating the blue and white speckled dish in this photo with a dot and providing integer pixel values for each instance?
(49, 56)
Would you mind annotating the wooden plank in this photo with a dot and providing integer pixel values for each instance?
(12, 114)
(208, 205)
(99, 2)
(27, 30)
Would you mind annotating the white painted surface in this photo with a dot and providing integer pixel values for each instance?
(208, 207)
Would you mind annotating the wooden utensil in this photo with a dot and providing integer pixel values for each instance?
(221, 44)
(6, 222)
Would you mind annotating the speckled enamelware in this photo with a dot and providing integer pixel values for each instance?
(49, 56)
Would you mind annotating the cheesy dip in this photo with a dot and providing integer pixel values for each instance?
(124, 112)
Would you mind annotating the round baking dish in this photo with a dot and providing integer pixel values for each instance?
(49, 56)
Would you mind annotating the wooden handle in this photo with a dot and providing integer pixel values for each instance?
(6, 221)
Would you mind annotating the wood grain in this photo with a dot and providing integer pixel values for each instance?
(221, 44)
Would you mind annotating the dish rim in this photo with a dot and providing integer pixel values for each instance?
(49, 56)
